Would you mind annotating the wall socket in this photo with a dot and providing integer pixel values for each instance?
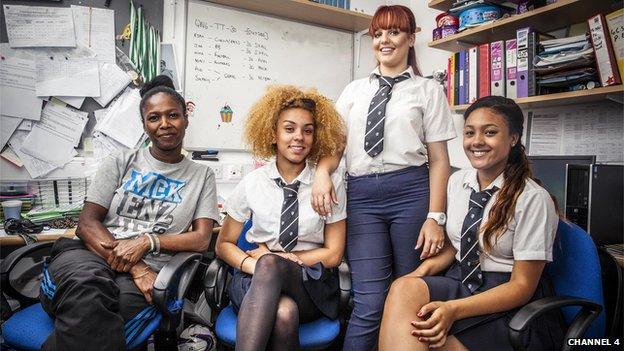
(235, 171)
(218, 171)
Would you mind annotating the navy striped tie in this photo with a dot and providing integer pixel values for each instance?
(375, 121)
(469, 248)
(289, 219)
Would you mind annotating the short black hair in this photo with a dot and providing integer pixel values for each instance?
(160, 84)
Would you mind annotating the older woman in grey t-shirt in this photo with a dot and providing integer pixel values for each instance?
(141, 206)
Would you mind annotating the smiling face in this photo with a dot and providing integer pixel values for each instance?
(391, 47)
(164, 122)
(294, 136)
(487, 142)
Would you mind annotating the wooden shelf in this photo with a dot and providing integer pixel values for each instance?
(444, 5)
(554, 16)
(567, 98)
(305, 11)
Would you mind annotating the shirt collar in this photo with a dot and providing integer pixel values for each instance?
(376, 72)
(470, 181)
(304, 177)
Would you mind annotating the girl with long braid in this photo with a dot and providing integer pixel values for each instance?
(501, 225)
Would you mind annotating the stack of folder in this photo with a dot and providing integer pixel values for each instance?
(565, 64)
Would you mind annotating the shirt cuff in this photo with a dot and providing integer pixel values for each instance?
(441, 137)
(532, 256)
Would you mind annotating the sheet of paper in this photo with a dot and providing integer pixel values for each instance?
(33, 26)
(25, 125)
(62, 123)
(112, 81)
(100, 114)
(41, 53)
(123, 120)
(73, 101)
(70, 77)
(104, 146)
(584, 130)
(95, 29)
(12, 157)
(9, 125)
(35, 167)
(17, 83)
(546, 131)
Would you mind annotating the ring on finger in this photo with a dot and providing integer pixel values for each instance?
(440, 246)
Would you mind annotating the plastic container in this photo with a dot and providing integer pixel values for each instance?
(12, 209)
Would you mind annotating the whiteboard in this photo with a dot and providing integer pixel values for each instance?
(233, 54)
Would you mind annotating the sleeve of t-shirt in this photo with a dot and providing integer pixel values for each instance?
(106, 180)
(536, 224)
(237, 205)
(344, 102)
(207, 202)
(437, 120)
(339, 211)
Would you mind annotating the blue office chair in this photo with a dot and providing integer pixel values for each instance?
(316, 335)
(576, 277)
(29, 327)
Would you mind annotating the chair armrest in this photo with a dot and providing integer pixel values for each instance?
(344, 280)
(586, 315)
(12, 259)
(171, 284)
(215, 284)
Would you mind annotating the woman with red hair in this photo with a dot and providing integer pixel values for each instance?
(397, 170)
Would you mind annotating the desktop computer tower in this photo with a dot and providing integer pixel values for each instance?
(594, 198)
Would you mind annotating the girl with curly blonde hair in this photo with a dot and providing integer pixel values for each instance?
(291, 276)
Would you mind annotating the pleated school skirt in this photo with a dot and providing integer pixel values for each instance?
(491, 332)
(321, 284)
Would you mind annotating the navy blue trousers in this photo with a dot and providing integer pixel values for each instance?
(385, 213)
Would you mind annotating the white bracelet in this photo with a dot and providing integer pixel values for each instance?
(151, 242)
(157, 244)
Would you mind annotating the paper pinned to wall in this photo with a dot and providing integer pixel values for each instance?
(9, 125)
(35, 26)
(95, 29)
(123, 120)
(17, 82)
(25, 125)
(70, 77)
(73, 101)
(61, 122)
(41, 53)
(582, 130)
(35, 167)
(112, 81)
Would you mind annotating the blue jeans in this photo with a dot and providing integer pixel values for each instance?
(384, 215)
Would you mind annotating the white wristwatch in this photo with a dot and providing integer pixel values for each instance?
(439, 217)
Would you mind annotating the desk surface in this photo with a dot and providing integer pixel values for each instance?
(12, 240)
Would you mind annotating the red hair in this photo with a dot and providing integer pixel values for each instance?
(401, 18)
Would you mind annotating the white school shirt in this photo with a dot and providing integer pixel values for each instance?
(416, 114)
(530, 233)
(258, 195)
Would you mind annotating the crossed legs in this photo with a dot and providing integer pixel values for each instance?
(273, 307)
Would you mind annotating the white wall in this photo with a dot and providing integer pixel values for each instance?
(431, 59)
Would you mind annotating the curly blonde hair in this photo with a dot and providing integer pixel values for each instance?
(261, 126)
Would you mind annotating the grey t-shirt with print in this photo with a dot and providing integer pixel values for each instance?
(145, 195)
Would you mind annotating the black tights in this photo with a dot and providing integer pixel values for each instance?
(273, 306)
